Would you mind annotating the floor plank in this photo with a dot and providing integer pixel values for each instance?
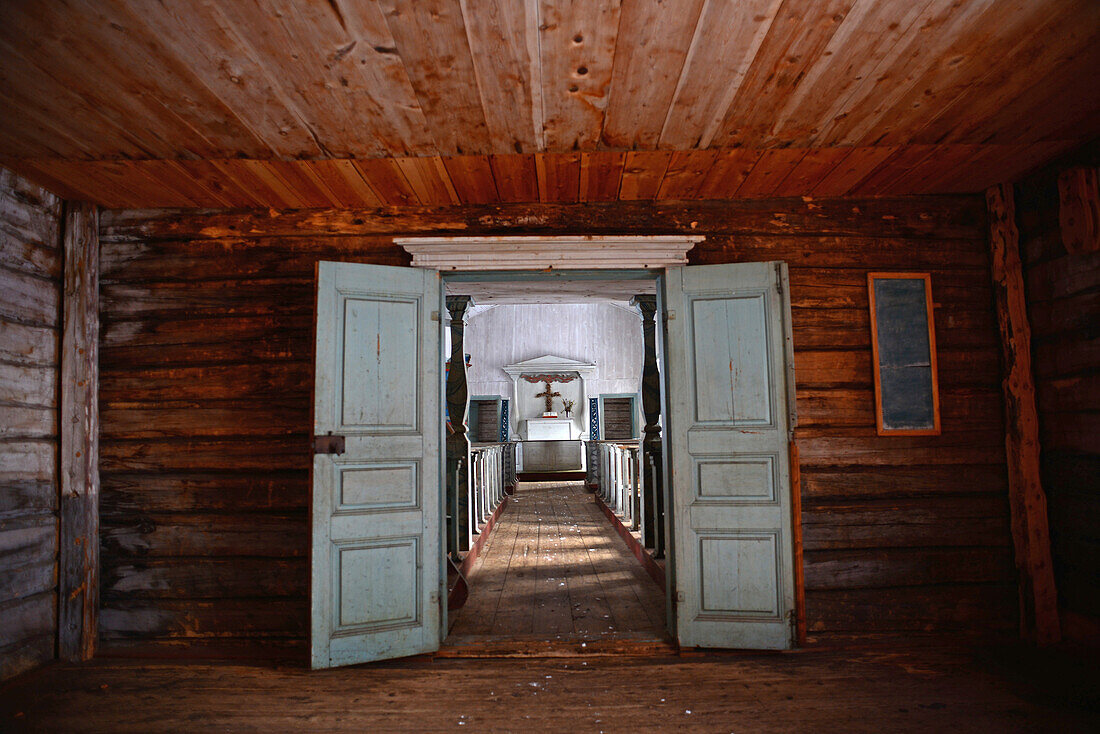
(554, 567)
(925, 685)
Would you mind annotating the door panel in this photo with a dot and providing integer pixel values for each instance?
(376, 581)
(730, 473)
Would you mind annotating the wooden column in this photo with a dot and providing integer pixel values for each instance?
(458, 444)
(653, 527)
(1030, 530)
(78, 551)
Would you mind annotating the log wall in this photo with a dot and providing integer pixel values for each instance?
(1063, 294)
(30, 305)
(206, 380)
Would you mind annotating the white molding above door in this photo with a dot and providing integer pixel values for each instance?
(589, 252)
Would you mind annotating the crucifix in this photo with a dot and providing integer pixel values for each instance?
(549, 395)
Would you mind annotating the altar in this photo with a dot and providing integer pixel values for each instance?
(550, 420)
(549, 429)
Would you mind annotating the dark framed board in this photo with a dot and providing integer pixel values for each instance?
(903, 345)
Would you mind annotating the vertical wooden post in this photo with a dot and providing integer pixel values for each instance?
(78, 551)
(1030, 530)
(652, 498)
(796, 537)
(458, 445)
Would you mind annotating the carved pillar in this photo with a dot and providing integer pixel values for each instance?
(458, 444)
(652, 497)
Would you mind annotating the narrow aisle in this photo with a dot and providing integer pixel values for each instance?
(554, 567)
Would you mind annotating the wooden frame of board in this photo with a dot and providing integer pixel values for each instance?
(882, 430)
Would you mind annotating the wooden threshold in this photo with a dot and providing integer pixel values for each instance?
(551, 476)
(556, 646)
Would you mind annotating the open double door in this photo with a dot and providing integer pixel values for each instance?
(378, 582)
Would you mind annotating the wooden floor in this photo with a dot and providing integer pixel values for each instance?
(906, 687)
(554, 568)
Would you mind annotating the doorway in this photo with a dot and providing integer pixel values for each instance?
(378, 516)
(565, 353)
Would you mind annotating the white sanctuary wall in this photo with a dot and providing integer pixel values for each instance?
(602, 333)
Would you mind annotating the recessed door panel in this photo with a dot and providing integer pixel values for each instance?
(376, 581)
(729, 470)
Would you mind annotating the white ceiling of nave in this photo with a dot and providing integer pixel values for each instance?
(486, 293)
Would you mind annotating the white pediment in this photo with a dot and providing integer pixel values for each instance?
(586, 252)
(548, 364)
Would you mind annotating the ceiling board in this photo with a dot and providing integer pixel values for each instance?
(408, 102)
(541, 177)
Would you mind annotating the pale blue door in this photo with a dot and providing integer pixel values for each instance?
(730, 414)
(376, 557)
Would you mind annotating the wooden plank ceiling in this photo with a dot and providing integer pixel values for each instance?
(344, 103)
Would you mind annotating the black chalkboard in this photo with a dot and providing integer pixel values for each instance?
(904, 348)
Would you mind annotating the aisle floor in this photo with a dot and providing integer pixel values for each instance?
(555, 567)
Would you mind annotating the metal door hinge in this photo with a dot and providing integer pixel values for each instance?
(328, 444)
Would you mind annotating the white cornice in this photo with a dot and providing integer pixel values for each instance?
(593, 252)
(549, 364)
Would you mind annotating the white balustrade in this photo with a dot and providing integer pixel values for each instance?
(488, 480)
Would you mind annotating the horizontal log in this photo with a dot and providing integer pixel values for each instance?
(821, 328)
(1069, 395)
(31, 258)
(1062, 277)
(173, 455)
(151, 535)
(212, 330)
(875, 252)
(894, 523)
(1077, 432)
(260, 417)
(28, 221)
(28, 460)
(27, 496)
(26, 655)
(852, 368)
(847, 288)
(221, 382)
(240, 259)
(201, 299)
(1069, 473)
(963, 447)
(197, 618)
(965, 408)
(1077, 313)
(925, 216)
(28, 194)
(883, 482)
(206, 578)
(28, 345)
(29, 544)
(22, 422)
(28, 617)
(280, 346)
(1064, 355)
(28, 385)
(990, 607)
(257, 491)
(29, 579)
(890, 567)
(29, 300)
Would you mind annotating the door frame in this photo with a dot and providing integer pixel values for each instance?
(503, 276)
